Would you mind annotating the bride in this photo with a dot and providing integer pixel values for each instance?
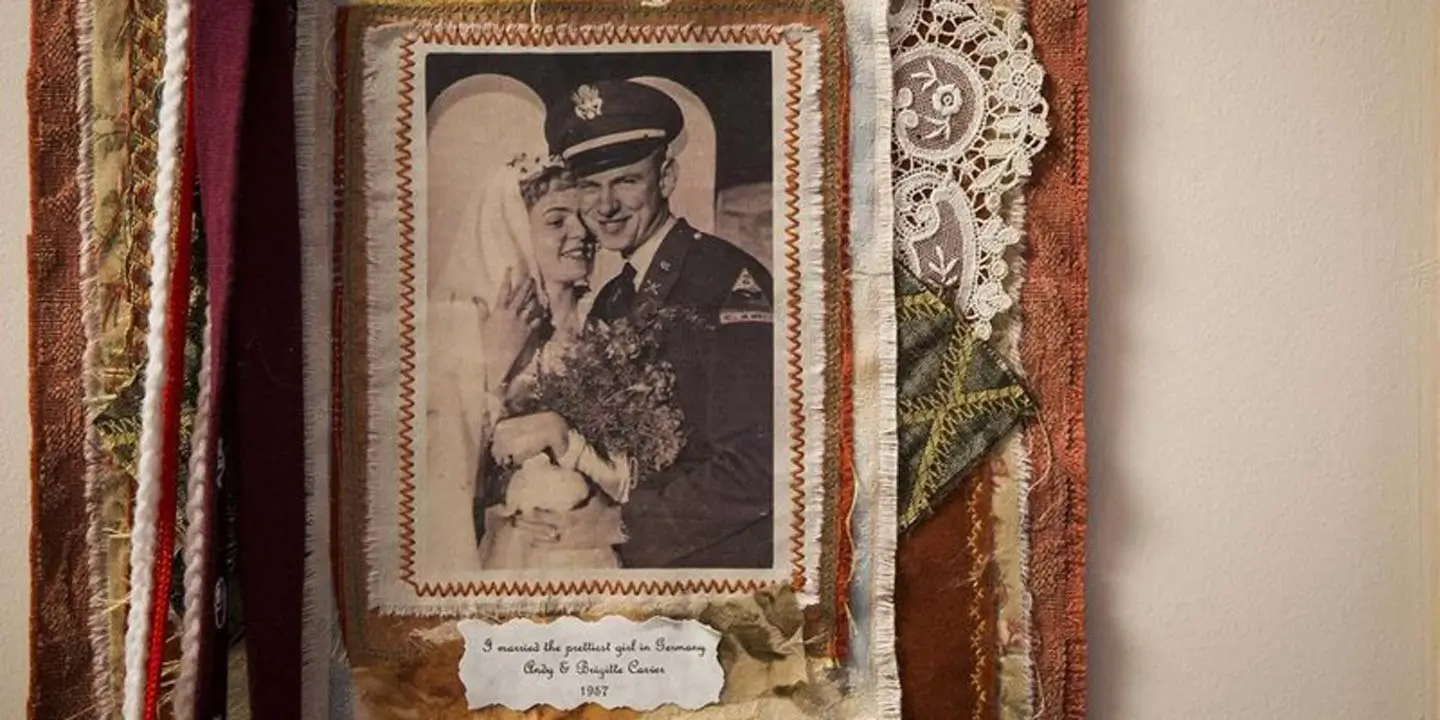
(527, 486)
(505, 290)
(535, 253)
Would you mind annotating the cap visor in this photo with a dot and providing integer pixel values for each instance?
(612, 156)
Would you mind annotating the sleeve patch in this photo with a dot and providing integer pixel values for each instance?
(736, 317)
(746, 302)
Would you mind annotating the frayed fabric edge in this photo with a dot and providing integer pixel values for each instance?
(876, 350)
(314, 28)
(1011, 513)
(1017, 679)
(381, 50)
(1012, 523)
(811, 201)
(679, 606)
(91, 316)
(386, 587)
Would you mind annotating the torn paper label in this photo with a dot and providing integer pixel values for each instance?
(613, 662)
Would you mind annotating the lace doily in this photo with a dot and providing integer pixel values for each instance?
(968, 118)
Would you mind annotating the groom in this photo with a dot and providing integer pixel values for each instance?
(713, 508)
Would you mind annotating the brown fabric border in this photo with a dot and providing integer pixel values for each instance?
(373, 636)
(1052, 349)
(946, 608)
(61, 657)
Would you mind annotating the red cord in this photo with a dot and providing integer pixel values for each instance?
(177, 314)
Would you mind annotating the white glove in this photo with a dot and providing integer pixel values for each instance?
(615, 476)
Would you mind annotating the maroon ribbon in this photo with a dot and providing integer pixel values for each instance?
(246, 141)
(221, 36)
(267, 441)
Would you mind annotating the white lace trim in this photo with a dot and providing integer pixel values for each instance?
(968, 119)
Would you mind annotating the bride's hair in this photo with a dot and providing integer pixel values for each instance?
(548, 180)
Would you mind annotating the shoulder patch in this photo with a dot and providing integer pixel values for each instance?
(746, 302)
(745, 283)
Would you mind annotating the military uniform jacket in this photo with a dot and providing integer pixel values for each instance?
(714, 507)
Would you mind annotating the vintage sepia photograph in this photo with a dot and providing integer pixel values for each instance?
(600, 375)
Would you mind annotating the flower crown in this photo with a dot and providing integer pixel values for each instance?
(528, 167)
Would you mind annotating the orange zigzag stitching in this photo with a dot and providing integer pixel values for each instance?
(792, 329)
(544, 35)
(407, 315)
(587, 587)
(404, 159)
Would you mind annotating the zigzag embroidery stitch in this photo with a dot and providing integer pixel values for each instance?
(404, 157)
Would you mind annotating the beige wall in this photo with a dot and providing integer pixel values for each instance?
(14, 363)
(1262, 249)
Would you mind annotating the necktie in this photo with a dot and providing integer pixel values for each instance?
(618, 295)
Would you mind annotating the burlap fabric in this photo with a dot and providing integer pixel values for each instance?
(1052, 351)
(61, 659)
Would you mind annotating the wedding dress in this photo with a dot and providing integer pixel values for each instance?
(476, 235)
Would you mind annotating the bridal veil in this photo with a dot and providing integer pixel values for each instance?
(478, 229)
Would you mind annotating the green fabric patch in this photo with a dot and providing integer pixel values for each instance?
(957, 395)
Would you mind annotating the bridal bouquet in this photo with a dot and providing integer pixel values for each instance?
(614, 388)
(611, 384)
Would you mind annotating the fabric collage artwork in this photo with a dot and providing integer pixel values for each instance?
(354, 427)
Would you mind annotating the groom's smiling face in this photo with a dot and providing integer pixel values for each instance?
(624, 205)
